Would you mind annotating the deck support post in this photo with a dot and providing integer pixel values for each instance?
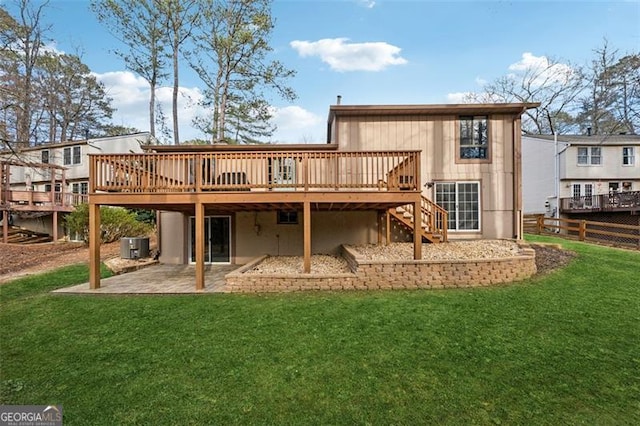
(94, 246)
(306, 218)
(417, 230)
(5, 226)
(199, 246)
(388, 227)
(55, 225)
(380, 218)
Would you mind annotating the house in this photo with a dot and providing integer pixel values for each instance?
(454, 169)
(38, 185)
(598, 176)
(539, 174)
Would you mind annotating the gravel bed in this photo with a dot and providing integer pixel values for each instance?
(454, 250)
(320, 264)
(325, 264)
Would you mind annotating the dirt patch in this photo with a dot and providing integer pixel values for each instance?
(18, 260)
(551, 257)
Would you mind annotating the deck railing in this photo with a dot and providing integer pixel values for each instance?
(43, 198)
(434, 219)
(256, 171)
(618, 201)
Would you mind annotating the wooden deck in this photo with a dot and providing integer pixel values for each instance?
(626, 201)
(18, 196)
(201, 183)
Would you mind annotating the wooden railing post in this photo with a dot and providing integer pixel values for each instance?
(539, 224)
(305, 170)
(197, 164)
(582, 230)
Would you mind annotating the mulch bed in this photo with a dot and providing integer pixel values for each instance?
(551, 257)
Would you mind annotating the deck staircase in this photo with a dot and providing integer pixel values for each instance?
(17, 235)
(433, 220)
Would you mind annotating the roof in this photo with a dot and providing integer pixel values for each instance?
(235, 148)
(433, 109)
(52, 145)
(591, 140)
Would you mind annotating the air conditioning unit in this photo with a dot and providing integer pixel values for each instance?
(134, 247)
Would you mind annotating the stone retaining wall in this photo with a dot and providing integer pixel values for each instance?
(408, 274)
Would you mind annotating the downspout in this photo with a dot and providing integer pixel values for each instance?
(517, 176)
(556, 157)
(159, 233)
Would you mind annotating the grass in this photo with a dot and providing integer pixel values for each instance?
(560, 349)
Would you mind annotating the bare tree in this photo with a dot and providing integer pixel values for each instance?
(140, 26)
(554, 84)
(611, 103)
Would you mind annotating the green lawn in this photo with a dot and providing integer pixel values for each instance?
(562, 349)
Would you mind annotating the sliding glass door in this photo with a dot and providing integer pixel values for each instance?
(217, 239)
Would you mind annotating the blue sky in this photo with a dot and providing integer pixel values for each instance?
(373, 52)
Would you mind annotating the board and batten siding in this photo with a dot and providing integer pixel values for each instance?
(436, 136)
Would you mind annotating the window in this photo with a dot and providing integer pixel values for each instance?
(462, 201)
(589, 156)
(47, 187)
(45, 156)
(76, 155)
(80, 188)
(628, 159)
(474, 140)
(287, 217)
(72, 155)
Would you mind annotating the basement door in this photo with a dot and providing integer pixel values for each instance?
(217, 239)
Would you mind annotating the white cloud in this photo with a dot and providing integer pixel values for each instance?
(297, 125)
(458, 97)
(480, 81)
(344, 56)
(130, 94)
(540, 70)
(369, 4)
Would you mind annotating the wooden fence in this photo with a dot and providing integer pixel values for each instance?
(585, 230)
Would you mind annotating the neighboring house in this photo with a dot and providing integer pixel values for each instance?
(40, 184)
(457, 165)
(539, 174)
(599, 176)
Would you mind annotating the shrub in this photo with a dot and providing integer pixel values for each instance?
(115, 223)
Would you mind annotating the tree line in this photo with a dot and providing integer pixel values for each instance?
(51, 96)
(599, 98)
(45, 95)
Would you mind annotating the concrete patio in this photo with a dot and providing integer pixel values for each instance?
(159, 279)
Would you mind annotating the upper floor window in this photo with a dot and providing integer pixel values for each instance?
(628, 158)
(44, 156)
(72, 155)
(474, 139)
(589, 155)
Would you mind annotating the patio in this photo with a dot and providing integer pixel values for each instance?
(158, 279)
